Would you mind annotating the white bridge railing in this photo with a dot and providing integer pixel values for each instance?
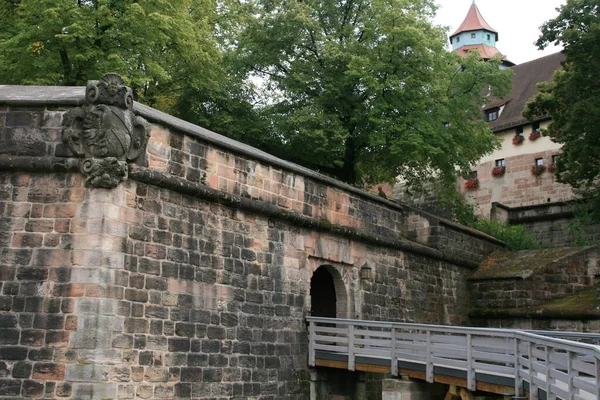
(561, 368)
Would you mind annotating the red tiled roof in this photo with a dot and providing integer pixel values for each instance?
(484, 51)
(473, 22)
(525, 78)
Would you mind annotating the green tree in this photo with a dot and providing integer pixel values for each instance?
(364, 90)
(159, 46)
(572, 99)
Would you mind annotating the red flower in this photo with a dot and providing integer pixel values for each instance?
(537, 170)
(551, 167)
(534, 135)
(498, 171)
(517, 140)
(472, 184)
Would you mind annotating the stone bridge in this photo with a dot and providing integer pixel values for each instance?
(145, 257)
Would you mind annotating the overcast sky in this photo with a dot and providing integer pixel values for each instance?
(516, 21)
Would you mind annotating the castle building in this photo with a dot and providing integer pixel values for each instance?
(519, 173)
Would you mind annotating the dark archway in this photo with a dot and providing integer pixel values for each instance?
(322, 294)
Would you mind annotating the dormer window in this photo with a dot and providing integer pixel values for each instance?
(492, 114)
(457, 39)
(489, 37)
(472, 36)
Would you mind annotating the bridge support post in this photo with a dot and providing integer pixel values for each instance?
(406, 389)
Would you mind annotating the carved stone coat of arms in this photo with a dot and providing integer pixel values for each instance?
(106, 132)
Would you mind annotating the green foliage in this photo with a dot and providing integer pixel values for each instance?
(362, 90)
(580, 224)
(453, 201)
(516, 237)
(158, 46)
(572, 99)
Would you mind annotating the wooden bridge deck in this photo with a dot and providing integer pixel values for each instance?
(508, 362)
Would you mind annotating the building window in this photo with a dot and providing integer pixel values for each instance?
(554, 159)
(539, 161)
(501, 163)
(457, 39)
(472, 36)
(520, 131)
(535, 127)
(473, 175)
(489, 37)
(492, 115)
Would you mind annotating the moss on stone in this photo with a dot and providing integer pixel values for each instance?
(582, 301)
(576, 306)
(521, 264)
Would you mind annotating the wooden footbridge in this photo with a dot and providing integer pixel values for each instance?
(538, 364)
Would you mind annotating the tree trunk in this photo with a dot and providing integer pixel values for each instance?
(67, 68)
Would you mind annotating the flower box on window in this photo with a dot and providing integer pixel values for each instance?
(552, 167)
(472, 184)
(498, 171)
(534, 135)
(518, 139)
(537, 170)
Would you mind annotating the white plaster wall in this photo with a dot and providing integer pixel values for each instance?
(508, 149)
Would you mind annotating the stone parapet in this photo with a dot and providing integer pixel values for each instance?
(185, 271)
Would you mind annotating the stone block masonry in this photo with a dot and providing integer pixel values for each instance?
(191, 278)
(518, 187)
(554, 224)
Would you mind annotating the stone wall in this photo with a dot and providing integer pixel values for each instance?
(518, 187)
(553, 224)
(522, 280)
(191, 278)
(426, 199)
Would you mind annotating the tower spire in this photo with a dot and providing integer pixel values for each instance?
(474, 21)
(475, 34)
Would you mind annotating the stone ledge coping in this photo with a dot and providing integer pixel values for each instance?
(546, 216)
(540, 218)
(16, 95)
(472, 231)
(537, 206)
(545, 314)
(456, 225)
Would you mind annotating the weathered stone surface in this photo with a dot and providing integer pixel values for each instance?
(192, 278)
(105, 131)
(537, 289)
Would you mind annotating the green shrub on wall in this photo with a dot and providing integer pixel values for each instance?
(516, 237)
